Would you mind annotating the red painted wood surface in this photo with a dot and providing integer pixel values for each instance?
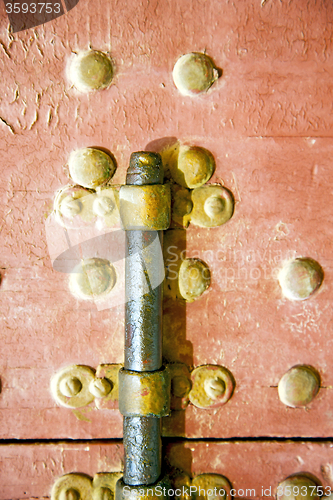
(29, 472)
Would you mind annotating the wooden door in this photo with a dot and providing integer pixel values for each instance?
(268, 123)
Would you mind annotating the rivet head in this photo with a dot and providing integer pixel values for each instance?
(70, 386)
(214, 387)
(92, 278)
(90, 167)
(91, 70)
(180, 386)
(182, 206)
(191, 166)
(100, 387)
(212, 206)
(194, 73)
(194, 279)
(299, 386)
(105, 494)
(70, 494)
(70, 207)
(103, 205)
(215, 486)
(300, 278)
(298, 487)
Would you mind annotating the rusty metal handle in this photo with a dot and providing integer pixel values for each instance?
(143, 313)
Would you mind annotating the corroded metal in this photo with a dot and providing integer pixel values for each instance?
(206, 206)
(100, 387)
(143, 449)
(191, 166)
(209, 486)
(90, 167)
(77, 386)
(213, 386)
(91, 70)
(194, 73)
(152, 492)
(299, 486)
(70, 204)
(144, 168)
(180, 386)
(92, 279)
(300, 278)
(70, 386)
(144, 394)
(74, 486)
(212, 206)
(144, 273)
(143, 287)
(104, 485)
(145, 207)
(108, 372)
(194, 279)
(299, 386)
(78, 486)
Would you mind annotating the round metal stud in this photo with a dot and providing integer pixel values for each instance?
(300, 278)
(212, 206)
(299, 386)
(71, 494)
(70, 386)
(215, 486)
(92, 279)
(298, 487)
(180, 386)
(212, 386)
(100, 387)
(194, 279)
(143, 394)
(72, 487)
(103, 205)
(156, 491)
(69, 205)
(104, 484)
(91, 70)
(182, 205)
(90, 167)
(105, 494)
(191, 166)
(194, 73)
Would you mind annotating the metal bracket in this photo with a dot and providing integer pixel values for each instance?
(76, 486)
(145, 211)
(108, 485)
(145, 393)
(76, 386)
